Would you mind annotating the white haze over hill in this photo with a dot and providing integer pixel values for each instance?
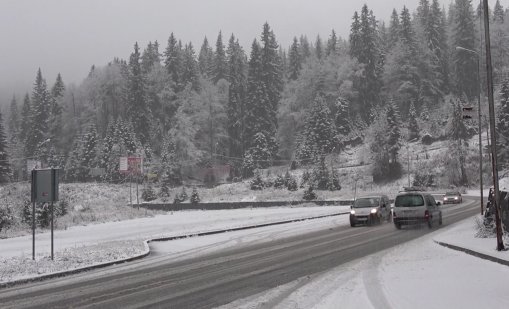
(70, 36)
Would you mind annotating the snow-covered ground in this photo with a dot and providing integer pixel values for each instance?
(417, 274)
(99, 243)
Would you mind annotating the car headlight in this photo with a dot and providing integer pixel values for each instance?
(456, 198)
(445, 199)
(352, 212)
(374, 210)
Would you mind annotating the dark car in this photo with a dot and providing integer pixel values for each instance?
(452, 197)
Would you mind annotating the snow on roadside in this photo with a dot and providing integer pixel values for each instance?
(417, 274)
(82, 246)
(21, 267)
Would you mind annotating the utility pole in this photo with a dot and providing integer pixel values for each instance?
(491, 105)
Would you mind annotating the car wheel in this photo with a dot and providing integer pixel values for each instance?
(440, 220)
(352, 224)
(398, 226)
(430, 222)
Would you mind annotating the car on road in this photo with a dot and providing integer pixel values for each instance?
(370, 209)
(416, 208)
(452, 197)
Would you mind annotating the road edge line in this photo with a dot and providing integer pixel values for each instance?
(473, 253)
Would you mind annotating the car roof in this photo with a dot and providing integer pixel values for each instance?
(371, 196)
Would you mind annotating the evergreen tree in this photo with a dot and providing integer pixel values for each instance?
(5, 168)
(39, 116)
(150, 57)
(14, 121)
(272, 78)
(55, 121)
(394, 28)
(413, 126)
(173, 61)
(498, 13)
(25, 119)
(318, 48)
(171, 165)
(332, 44)
(394, 133)
(319, 134)
(364, 43)
(190, 68)
(206, 59)
(464, 64)
(341, 118)
(260, 151)
(88, 153)
(220, 65)
(195, 198)
(355, 35)
(236, 98)
(305, 49)
(295, 60)
(72, 166)
(137, 107)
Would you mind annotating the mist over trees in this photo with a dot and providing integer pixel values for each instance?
(178, 105)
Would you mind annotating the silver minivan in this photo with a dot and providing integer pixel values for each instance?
(415, 208)
(370, 209)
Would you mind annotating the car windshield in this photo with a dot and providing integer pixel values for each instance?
(366, 202)
(451, 193)
(409, 201)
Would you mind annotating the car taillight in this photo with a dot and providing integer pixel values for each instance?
(426, 215)
(394, 214)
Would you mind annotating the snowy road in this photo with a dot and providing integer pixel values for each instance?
(225, 268)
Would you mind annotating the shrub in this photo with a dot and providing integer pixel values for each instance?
(6, 218)
(257, 182)
(426, 139)
(195, 198)
(280, 182)
(183, 195)
(333, 181)
(309, 194)
(306, 176)
(291, 185)
(148, 194)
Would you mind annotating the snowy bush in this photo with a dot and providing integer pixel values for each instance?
(309, 194)
(6, 217)
(195, 198)
(306, 176)
(485, 228)
(148, 194)
(257, 182)
(291, 184)
(279, 183)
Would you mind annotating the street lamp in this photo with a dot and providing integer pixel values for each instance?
(479, 114)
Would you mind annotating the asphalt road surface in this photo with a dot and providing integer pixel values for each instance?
(222, 277)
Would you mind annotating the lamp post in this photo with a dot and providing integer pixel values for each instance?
(479, 114)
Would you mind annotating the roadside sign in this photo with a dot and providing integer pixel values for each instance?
(468, 112)
(123, 165)
(44, 185)
(135, 165)
(131, 165)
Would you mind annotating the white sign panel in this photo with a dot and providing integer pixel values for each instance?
(123, 164)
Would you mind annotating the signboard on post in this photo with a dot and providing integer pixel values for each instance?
(135, 165)
(44, 189)
(123, 165)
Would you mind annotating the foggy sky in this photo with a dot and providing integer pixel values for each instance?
(69, 36)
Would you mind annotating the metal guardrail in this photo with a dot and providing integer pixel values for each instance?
(236, 205)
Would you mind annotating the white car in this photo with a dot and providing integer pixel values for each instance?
(370, 209)
(415, 208)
